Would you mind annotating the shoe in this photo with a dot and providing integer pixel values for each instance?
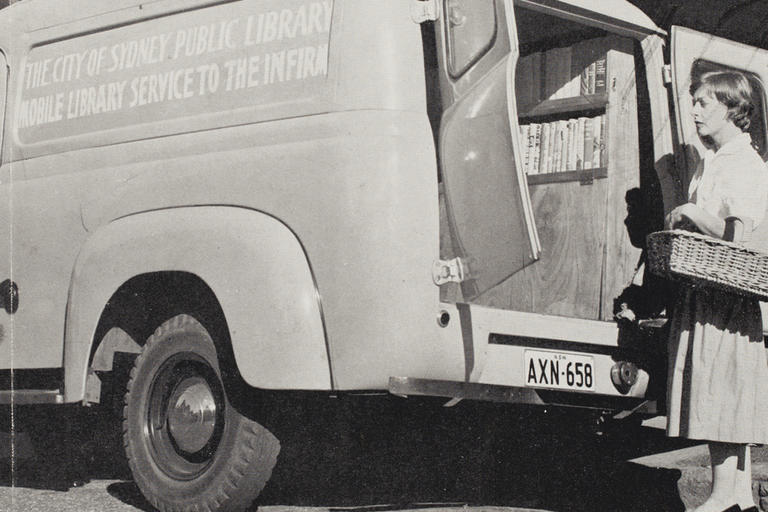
(753, 508)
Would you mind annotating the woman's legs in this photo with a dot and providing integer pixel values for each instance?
(744, 478)
(724, 460)
(731, 477)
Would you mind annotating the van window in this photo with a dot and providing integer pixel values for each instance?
(471, 29)
(758, 124)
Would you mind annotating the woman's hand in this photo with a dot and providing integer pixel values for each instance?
(682, 217)
(690, 217)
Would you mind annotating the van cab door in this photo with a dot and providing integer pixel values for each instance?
(694, 53)
(8, 290)
(489, 209)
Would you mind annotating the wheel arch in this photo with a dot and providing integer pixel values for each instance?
(244, 271)
(127, 321)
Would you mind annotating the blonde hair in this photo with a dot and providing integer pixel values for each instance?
(732, 89)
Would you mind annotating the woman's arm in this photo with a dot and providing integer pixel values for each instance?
(731, 229)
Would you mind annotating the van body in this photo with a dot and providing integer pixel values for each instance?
(332, 196)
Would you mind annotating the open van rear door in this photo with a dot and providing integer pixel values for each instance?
(694, 53)
(487, 199)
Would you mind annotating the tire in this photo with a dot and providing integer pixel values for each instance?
(187, 447)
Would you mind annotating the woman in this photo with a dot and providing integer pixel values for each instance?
(718, 369)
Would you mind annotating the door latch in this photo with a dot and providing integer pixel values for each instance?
(666, 74)
(425, 10)
(448, 271)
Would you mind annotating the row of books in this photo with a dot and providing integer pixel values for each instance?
(564, 145)
(576, 70)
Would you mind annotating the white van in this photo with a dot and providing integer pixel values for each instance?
(333, 196)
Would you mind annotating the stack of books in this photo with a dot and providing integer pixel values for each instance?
(564, 145)
(577, 70)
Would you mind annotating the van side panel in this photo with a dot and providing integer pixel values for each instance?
(359, 190)
(348, 165)
(366, 219)
(254, 265)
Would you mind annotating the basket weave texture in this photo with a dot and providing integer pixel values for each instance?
(706, 261)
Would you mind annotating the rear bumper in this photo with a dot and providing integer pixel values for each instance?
(405, 386)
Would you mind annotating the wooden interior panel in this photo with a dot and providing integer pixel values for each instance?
(587, 257)
(621, 256)
(566, 279)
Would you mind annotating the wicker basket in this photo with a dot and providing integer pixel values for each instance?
(706, 261)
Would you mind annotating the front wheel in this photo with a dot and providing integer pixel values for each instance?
(187, 447)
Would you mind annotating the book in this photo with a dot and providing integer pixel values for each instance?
(536, 148)
(531, 142)
(580, 60)
(586, 55)
(597, 131)
(558, 164)
(525, 153)
(557, 73)
(545, 135)
(589, 143)
(600, 75)
(556, 146)
(552, 144)
(584, 81)
(602, 145)
(578, 63)
(571, 145)
(581, 124)
(590, 80)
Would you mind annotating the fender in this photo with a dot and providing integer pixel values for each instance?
(253, 263)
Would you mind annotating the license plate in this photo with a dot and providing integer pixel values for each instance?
(559, 370)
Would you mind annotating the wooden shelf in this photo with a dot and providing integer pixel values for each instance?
(567, 105)
(584, 176)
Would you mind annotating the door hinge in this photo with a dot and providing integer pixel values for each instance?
(449, 271)
(425, 10)
(666, 74)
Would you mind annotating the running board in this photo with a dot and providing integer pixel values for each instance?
(404, 386)
(31, 396)
(456, 390)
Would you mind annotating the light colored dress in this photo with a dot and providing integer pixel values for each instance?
(718, 364)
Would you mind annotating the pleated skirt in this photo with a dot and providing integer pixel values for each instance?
(717, 386)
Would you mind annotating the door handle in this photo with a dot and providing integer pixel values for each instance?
(456, 16)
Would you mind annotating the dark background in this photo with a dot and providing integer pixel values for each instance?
(745, 21)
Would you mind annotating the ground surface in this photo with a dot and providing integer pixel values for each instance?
(370, 455)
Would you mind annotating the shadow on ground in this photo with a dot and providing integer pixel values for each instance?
(385, 453)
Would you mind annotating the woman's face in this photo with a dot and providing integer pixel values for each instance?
(709, 115)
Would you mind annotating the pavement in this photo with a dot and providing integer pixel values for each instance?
(371, 456)
(695, 473)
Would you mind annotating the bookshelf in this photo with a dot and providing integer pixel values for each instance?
(583, 176)
(587, 258)
(562, 106)
(562, 98)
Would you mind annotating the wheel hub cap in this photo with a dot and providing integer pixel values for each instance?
(192, 414)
